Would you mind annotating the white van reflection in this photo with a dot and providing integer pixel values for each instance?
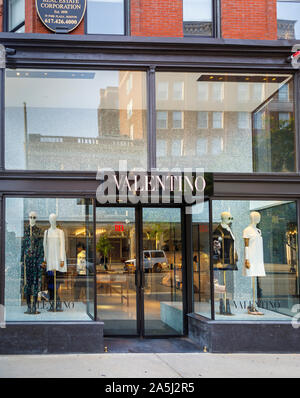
(154, 260)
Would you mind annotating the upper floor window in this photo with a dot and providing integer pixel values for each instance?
(198, 18)
(16, 16)
(106, 17)
(288, 19)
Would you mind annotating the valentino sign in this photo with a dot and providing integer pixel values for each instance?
(61, 16)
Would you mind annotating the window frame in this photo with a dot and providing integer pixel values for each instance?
(216, 21)
(127, 27)
(285, 1)
(5, 19)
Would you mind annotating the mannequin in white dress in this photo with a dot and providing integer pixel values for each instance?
(55, 258)
(254, 255)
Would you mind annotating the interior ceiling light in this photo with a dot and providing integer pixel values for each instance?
(243, 78)
(51, 75)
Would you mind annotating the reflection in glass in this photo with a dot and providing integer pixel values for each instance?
(288, 19)
(237, 123)
(16, 14)
(162, 263)
(116, 266)
(197, 17)
(84, 128)
(265, 234)
(49, 260)
(105, 17)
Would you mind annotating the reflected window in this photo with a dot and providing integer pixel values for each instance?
(178, 91)
(240, 113)
(202, 120)
(161, 148)
(106, 17)
(177, 148)
(16, 16)
(243, 120)
(162, 90)
(177, 120)
(49, 259)
(162, 119)
(288, 19)
(197, 18)
(97, 116)
(202, 146)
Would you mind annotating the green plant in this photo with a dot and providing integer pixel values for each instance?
(103, 245)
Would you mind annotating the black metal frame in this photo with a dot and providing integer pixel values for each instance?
(5, 19)
(158, 54)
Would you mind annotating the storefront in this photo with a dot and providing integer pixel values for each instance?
(72, 266)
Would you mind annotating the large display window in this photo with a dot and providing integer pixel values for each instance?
(98, 118)
(49, 266)
(226, 122)
(254, 260)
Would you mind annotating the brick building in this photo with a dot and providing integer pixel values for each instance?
(190, 109)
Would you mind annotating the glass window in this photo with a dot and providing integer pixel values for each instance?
(178, 91)
(177, 120)
(177, 148)
(202, 144)
(49, 265)
(161, 148)
(202, 120)
(162, 90)
(16, 15)
(239, 114)
(162, 120)
(105, 17)
(255, 260)
(217, 120)
(88, 126)
(243, 120)
(288, 19)
(197, 18)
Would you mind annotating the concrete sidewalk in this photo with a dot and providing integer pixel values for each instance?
(151, 365)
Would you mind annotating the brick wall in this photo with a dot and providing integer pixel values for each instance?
(156, 18)
(249, 19)
(33, 23)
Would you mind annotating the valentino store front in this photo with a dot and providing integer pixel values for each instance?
(75, 268)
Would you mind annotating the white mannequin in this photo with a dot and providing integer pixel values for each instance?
(254, 256)
(54, 247)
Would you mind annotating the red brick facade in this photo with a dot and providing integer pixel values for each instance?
(241, 19)
(249, 19)
(33, 23)
(156, 18)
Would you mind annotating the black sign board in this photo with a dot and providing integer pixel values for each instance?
(61, 16)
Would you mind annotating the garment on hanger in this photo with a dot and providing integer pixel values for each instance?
(255, 252)
(54, 248)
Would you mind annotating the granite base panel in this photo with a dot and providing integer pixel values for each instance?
(244, 337)
(51, 338)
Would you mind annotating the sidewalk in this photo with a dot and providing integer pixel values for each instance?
(159, 365)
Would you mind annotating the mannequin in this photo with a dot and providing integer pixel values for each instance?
(224, 254)
(55, 259)
(32, 254)
(254, 255)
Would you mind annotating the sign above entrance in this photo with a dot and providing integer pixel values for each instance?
(61, 16)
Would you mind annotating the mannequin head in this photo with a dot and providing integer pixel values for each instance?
(52, 220)
(226, 218)
(255, 217)
(32, 218)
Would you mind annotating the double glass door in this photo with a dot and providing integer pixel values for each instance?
(139, 271)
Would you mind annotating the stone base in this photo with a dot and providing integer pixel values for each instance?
(244, 337)
(51, 338)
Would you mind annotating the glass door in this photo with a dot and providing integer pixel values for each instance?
(116, 289)
(162, 271)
